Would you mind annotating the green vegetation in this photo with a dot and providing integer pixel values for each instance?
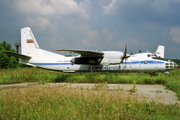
(171, 81)
(5, 60)
(177, 61)
(59, 102)
(41, 75)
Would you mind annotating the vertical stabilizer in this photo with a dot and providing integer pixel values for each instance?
(160, 51)
(29, 46)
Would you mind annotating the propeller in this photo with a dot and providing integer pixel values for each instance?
(124, 55)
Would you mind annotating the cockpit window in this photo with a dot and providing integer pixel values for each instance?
(149, 55)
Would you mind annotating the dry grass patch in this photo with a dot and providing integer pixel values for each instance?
(61, 102)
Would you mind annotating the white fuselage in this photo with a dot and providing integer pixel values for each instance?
(135, 63)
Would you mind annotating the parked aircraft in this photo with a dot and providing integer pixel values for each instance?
(90, 61)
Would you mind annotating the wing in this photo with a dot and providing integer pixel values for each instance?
(84, 53)
(17, 55)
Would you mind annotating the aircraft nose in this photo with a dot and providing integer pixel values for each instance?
(170, 65)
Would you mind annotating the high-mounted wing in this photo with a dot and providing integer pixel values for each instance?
(17, 55)
(84, 53)
(87, 57)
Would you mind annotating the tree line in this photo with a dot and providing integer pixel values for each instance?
(177, 61)
(7, 61)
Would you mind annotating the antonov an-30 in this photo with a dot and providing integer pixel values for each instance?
(90, 61)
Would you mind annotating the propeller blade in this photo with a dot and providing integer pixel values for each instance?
(127, 56)
(125, 50)
(124, 54)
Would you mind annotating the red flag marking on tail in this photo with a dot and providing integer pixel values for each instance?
(30, 41)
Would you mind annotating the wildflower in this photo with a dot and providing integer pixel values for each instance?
(129, 96)
(129, 106)
(127, 102)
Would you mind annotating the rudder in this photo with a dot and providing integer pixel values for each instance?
(29, 45)
(160, 51)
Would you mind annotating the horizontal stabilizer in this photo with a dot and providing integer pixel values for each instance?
(84, 53)
(17, 55)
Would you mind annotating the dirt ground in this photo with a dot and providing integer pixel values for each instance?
(156, 92)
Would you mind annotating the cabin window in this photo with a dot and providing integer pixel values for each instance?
(148, 55)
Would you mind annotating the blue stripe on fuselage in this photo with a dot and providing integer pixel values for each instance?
(142, 62)
(135, 62)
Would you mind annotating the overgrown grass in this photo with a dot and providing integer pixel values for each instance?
(171, 81)
(36, 75)
(58, 102)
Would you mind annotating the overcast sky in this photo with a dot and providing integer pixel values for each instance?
(95, 24)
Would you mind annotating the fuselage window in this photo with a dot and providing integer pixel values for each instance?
(149, 55)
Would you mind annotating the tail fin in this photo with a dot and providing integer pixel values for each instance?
(29, 46)
(160, 51)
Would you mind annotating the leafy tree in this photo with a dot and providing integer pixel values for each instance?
(7, 61)
(177, 61)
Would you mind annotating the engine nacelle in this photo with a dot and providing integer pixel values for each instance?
(87, 60)
(112, 58)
